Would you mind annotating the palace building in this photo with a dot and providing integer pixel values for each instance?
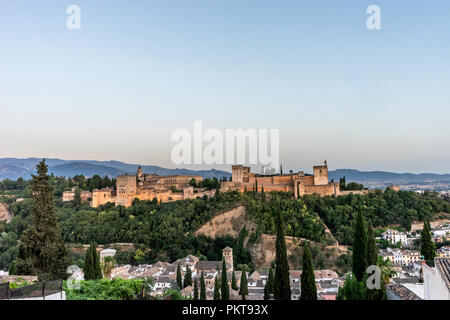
(177, 187)
(148, 187)
(297, 183)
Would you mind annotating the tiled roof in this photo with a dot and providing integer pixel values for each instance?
(255, 275)
(163, 280)
(402, 292)
(209, 265)
(171, 268)
(406, 280)
(263, 272)
(327, 296)
(319, 274)
(255, 290)
(443, 266)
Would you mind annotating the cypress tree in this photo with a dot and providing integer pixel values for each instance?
(92, 270)
(308, 282)
(270, 281)
(179, 278)
(359, 248)
(195, 290)
(266, 292)
(187, 277)
(202, 287)
(233, 282)
(216, 289)
(224, 283)
(282, 289)
(256, 185)
(263, 196)
(42, 251)
(243, 289)
(427, 247)
(427, 222)
(372, 252)
(88, 265)
(372, 258)
(97, 268)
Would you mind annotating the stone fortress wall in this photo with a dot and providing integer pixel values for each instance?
(176, 187)
(297, 183)
(148, 187)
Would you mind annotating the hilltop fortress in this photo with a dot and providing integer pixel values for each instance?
(177, 187)
(148, 187)
(297, 183)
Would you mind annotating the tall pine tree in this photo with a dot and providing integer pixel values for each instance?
(282, 289)
(243, 288)
(187, 277)
(233, 282)
(372, 258)
(92, 270)
(202, 287)
(195, 290)
(308, 282)
(97, 268)
(427, 247)
(88, 268)
(216, 289)
(225, 290)
(359, 247)
(179, 278)
(42, 251)
(266, 292)
(270, 281)
(372, 252)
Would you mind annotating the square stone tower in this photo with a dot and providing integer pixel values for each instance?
(321, 175)
(227, 254)
(126, 189)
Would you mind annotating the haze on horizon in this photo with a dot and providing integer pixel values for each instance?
(136, 71)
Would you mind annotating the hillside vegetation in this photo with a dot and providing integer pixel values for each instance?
(168, 231)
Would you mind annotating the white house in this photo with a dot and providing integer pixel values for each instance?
(398, 255)
(395, 236)
(107, 253)
(162, 283)
(440, 232)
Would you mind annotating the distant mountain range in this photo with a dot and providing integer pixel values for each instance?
(387, 177)
(14, 168)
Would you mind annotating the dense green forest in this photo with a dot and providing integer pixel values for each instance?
(165, 231)
(381, 208)
(298, 220)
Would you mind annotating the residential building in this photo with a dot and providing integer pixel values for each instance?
(437, 280)
(395, 236)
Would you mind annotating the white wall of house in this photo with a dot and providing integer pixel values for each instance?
(434, 285)
(55, 296)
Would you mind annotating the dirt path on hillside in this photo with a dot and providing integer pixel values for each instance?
(5, 215)
(419, 224)
(341, 248)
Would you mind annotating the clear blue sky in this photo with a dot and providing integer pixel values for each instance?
(137, 70)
